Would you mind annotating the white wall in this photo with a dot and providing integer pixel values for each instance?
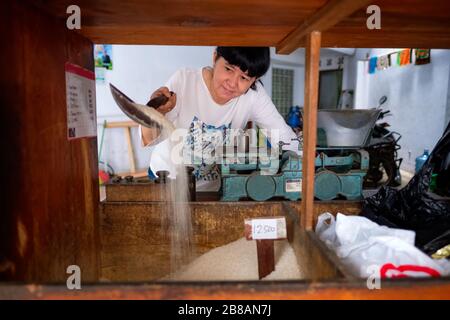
(355, 70)
(417, 97)
(140, 70)
(361, 86)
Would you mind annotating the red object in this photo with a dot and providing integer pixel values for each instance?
(103, 176)
(73, 68)
(389, 270)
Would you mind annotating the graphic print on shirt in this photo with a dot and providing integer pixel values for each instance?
(200, 145)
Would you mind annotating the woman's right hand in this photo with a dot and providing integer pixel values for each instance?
(170, 104)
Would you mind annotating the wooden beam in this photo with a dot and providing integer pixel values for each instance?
(121, 124)
(405, 23)
(250, 35)
(327, 16)
(130, 150)
(312, 52)
(426, 289)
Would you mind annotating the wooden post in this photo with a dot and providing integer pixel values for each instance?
(265, 231)
(49, 204)
(310, 127)
(266, 257)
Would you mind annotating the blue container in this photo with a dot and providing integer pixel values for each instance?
(293, 118)
(420, 160)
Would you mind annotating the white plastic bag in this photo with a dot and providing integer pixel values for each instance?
(326, 229)
(366, 247)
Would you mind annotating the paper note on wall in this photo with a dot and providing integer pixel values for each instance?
(80, 100)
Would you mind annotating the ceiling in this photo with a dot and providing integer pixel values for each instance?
(404, 23)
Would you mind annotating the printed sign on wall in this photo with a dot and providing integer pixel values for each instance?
(103, 56)
(80, 99)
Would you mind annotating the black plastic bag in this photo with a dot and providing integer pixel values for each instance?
(414, 207)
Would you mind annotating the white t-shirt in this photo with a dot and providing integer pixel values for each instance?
(197, 112)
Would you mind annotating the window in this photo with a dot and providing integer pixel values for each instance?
(282, 89)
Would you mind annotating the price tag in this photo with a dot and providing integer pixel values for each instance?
(265, 228)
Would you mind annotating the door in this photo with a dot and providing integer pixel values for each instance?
(330, 86)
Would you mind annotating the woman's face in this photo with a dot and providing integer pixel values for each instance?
(229, 81)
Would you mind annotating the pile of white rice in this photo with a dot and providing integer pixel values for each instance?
(237, 261)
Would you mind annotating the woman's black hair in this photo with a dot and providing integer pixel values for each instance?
(255, 60)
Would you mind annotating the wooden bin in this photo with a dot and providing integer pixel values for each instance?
(135, 246)
(135, 249)
(135, 255)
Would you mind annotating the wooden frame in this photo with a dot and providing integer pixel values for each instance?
(50, 203)
(310, 125)
(127, 125)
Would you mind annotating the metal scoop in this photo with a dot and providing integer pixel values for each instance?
(147, 115)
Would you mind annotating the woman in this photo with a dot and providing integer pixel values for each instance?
(208, 102)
